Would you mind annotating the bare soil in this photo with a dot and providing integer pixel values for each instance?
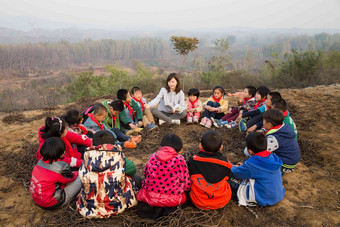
(312, 190)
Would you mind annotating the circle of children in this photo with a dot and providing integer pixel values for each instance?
(82, 154)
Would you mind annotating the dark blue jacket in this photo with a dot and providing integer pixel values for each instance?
(266, 172)
(282, 142)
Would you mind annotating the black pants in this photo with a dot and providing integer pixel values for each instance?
(144, 210)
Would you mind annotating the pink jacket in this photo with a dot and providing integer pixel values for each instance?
(166, 179)
(72, 156)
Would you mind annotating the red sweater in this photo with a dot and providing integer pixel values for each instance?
(72, 156)
(48, 182)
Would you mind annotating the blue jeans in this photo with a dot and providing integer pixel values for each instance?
(121, 137)
(213, 114)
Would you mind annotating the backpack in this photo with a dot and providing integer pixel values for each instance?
(87, 111)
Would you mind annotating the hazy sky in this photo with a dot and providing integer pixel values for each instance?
(181, 14)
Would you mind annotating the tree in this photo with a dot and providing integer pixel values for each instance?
(220, 61)
(184, 45)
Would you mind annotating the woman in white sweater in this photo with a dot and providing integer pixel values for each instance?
(171, 102)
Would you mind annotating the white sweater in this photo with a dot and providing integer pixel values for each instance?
(165, 98)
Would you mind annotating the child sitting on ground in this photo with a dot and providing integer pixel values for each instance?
(255, 116)
(215, 107)
(282, 106)
(131, 118)
(73, 121)
(106, 188)
(53, 184)
(166, 180)
(194, 106)
(281, 140)
(56, 127)
(148, 120)
(260, 174)
(210, 172)
(95, 122)
(246, 103)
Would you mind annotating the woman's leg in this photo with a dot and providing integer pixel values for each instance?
(160, 115)
(178, 115)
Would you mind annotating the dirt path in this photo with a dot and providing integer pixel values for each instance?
(312, 190)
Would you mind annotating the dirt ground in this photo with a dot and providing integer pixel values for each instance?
(312, 190)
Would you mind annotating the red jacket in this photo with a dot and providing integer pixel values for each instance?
(48, 182)
(166, 179)
(72, 156)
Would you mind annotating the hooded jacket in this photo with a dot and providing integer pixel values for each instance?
(110, 121)
(281, 141)
(72, 156)
(262, 183)
(166, 179)
(106, 189)
(210, 173)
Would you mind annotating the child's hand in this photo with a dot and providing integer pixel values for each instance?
(140, 123)
(132, 126)
(239, 117)
(252, 129)
(146, 106)
(239, 164)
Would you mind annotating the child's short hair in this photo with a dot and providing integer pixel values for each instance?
(54, 127)
(170, 77)
(280, 104)
(273, 116)
(257, 142)
(103, 137)
(194, 92)
(122, 94)
(251, 90)
(221, 89)
(276, 96)
(100, 109)
(117, 105)
(135, 89)
(72, 117)
(263, 91)
(211, 141)
(52, 149)
(172, 140)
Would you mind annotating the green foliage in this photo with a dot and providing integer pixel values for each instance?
(219, 62)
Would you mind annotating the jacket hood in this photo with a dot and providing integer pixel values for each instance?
(106, 104)
(285, 131)
(101, 159)
(166, 153)
(268, 164)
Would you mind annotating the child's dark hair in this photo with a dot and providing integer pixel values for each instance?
(52, 149)
(122, 94)
(194, 92)
(99, 109)
(273, 116)
(72, 117)
(257, 142)
(221, 89)
(135, 89)
(172, 140)
(54, 127)
(103, 137)
(280, 104)
(276, 96)
(117, 105)
(251, 90)
(263, 91)
(170, 77)
(211, 141)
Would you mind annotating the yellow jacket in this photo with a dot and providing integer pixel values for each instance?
(223, 108)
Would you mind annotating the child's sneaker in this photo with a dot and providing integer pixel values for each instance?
(151, 126)
(232, 124)
(242, 125)
(160, 122)
(128, 144)
(216, 122)
(195, 120)
(176, 121)
(203, 121)
(189, 120)
(208, 124)
(136, 139)
(133, 131)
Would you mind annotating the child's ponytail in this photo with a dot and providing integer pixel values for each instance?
(54, 127)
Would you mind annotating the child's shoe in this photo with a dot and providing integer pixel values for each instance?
(176, 121)
(160, 122)
(133, 131)
(216, 122)
(128, 144)
(189, 120)
(203, 121)
(195, 120)
(208, 124)
(151, 126)
(231, 125)
(242, 125)
(136, 139)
